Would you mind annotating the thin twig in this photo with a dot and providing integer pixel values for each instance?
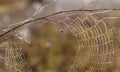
(44, 18)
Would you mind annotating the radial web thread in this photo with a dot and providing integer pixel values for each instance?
(13, 57)
(95, 45)
(96, 50)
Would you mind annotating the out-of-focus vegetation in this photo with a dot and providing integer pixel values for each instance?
(49, 46)
(52, 48)
(10, 5)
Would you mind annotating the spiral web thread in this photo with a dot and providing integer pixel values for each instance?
(14, 58)
(96, 49)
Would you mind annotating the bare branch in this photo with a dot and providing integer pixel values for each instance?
(45, 18)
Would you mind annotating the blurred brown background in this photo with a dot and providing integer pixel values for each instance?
(48, 46)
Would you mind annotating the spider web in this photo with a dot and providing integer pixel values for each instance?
(96, 49)
(96, 44)
(13, 56)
